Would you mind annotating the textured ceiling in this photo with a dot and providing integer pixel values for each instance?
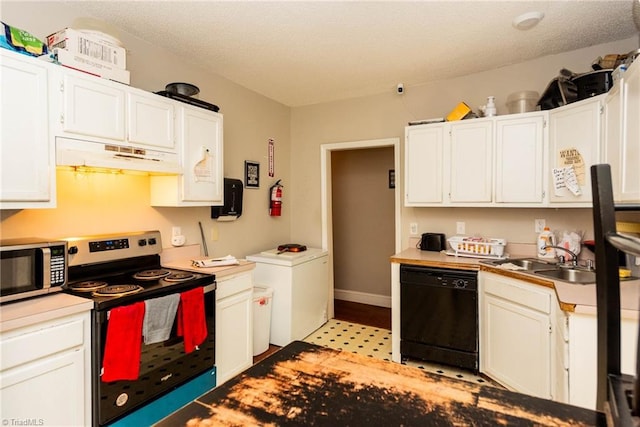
(308, 52)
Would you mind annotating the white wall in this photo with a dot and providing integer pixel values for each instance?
(386, 115)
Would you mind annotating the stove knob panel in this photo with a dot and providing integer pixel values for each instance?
(142, 242)
(152, 241)
(73, 250)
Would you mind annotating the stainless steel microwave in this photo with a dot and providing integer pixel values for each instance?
(30, 267)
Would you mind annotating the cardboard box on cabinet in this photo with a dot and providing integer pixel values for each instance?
(96, 47)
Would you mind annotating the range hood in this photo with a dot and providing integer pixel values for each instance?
(80, 153)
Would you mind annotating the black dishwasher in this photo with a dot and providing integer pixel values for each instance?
(439, 315)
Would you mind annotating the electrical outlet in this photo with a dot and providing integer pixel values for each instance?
(413, 229)
(460, 228)
(539, 225)
(176, 231)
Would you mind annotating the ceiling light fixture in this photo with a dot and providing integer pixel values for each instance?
(528, 20)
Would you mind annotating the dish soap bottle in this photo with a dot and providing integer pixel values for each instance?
(545, 238)
(490, 109)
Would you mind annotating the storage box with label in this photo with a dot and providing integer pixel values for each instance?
(87, 65)
(89, 45)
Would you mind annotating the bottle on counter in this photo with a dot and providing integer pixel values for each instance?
(546, 238)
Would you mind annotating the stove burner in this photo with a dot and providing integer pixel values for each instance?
(117, 290)
(151, 274)
(179, 277)
(87, 286)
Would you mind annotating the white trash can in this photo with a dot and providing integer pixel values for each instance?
(262, 302)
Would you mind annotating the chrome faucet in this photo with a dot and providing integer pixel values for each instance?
(574, 257)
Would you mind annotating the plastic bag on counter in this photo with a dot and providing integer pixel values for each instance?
(570, 240)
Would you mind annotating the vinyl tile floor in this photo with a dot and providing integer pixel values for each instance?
(376, 342)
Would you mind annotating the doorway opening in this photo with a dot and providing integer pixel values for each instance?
(353, 216)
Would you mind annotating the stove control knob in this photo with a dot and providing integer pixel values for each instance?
(152, 241)
(73, 250)
(142, 242)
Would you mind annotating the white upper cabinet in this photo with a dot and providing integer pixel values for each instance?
(201, 184)
(575, 134)
(423, 164)
(106, 111)
(622, 135)
(497, 161)
(92, 107)
(520, 143)
(27, 160)
(151, 120)
(471, 171)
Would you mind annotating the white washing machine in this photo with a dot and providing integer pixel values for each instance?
(300, 283)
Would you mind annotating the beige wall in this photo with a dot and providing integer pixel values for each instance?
(386, 115)
(363, 220)
(104, 203)
(97, 203)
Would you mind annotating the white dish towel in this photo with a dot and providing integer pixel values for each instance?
(215, 262)
(159, 315)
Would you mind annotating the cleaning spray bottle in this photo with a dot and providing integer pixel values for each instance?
(545, 238)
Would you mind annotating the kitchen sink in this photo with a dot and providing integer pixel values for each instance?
(525, 263)
(570, 275)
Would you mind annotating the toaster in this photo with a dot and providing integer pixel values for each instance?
(433, 242)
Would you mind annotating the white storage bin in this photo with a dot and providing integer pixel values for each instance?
(262, 303)
(473, 246)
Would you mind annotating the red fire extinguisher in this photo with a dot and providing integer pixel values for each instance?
(275, 198)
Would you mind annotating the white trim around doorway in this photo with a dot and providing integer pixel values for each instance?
(325, 194)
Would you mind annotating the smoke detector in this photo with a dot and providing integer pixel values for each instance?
(528, 20)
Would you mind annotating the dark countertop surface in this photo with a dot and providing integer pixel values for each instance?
(305, 384)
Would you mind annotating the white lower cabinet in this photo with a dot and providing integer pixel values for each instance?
(234, 325)
(45, 373)
(517, 337)
(583, 354)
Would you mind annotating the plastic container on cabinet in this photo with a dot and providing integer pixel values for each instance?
(522, 102)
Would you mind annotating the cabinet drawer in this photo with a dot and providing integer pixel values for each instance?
(42, 340)
(232, 285)
(527, 296)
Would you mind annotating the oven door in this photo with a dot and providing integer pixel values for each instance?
(164, 367)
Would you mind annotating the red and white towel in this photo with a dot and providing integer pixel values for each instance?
(123, 344)
(192, 322)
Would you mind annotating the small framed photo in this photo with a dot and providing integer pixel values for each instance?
(392, 178)
(251, 174)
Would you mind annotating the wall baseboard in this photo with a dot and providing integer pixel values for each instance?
(362, 298)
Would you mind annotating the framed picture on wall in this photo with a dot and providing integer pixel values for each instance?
(251, 174)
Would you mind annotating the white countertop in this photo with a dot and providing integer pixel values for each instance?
(35, 310)
(571, 297)
(180, 258)
(220, 272)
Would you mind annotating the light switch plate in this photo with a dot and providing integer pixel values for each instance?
(460, 228)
